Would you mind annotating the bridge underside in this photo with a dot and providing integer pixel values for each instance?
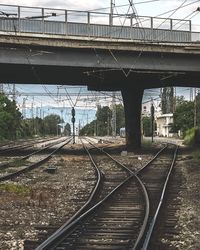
(96, 78)
(130, 71)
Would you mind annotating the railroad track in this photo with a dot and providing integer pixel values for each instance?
(8, 164)
(34, 165)
(125, 218)
(7, 150)
(156, 176)
(115, 178)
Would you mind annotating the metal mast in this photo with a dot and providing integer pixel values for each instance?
(14, 93)
(112, 4)
(1, 88)
(24, 108)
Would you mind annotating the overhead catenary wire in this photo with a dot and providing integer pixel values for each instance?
(140, 54)
(192, 15)
(124, 5)
(175, 10)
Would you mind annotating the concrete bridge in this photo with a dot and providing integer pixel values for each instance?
(101, 56)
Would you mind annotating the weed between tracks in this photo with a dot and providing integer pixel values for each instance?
(21, 190)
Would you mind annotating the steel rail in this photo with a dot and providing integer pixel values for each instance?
(31, 143)
(146, 218)
(145, 193)
(153, 159)
(7, 164)
(72, 226)
(145, 222)
(49, 241)
(66, 230)
(154, 220)
(32, 166)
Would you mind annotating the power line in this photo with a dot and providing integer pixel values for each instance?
(124, 5)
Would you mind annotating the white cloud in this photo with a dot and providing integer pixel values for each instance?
(69, 4)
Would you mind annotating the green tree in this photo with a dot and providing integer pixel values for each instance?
(102, 125)
(89, 129)
(10, 118)
(67, 129)
(180, 100)
(120, 117)
(184, 116)
(147, 126)
(103, 115)
(26, 128)
(198, 109)
(51, 126)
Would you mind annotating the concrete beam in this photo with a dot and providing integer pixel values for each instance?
(101, 59)
(59, 41)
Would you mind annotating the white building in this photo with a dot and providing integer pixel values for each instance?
(164, 123)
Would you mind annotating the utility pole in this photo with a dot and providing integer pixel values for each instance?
(24, 108)
(1, 88)
(174, 102)
(41, 111)
(112, 4)
(96, 125)
(79, 127)
(36, 121)
(73, 124)
(62, 128)
(191, 94)
(32, 111)
(108, 124)
(14, 93)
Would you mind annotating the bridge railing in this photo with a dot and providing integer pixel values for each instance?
(22, 19)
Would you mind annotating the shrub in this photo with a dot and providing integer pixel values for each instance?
(192, 136)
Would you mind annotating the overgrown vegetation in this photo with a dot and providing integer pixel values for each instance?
(13, 126)
(192, 137)
(186, 115)
(10, 118)
(146, 126)
(102, 125)
(15, 189)
(196, 155)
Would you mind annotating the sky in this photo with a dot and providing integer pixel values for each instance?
(151, 8)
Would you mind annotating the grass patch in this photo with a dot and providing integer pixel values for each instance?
(192, 137)
(18, 163)
(196, 155)
(146, 143)
(15, 189)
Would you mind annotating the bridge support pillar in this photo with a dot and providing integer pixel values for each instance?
(132, 106)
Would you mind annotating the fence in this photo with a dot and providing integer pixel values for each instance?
(20, 19)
